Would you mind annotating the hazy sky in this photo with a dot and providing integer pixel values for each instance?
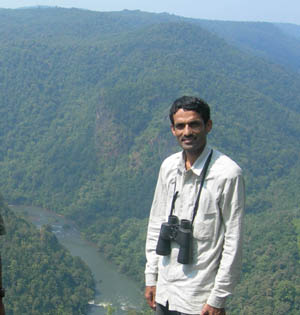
(235, 10)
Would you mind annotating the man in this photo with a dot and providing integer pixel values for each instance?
(2, 292)
(214, 205)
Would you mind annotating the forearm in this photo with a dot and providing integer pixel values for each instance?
(157, 216)
(151, 269)
(227, 276)
(230, 264)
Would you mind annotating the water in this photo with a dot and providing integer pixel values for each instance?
(111, 287)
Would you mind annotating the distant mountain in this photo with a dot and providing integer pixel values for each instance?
(35, 7)
(84, 99)
(279, 43)
(290, 29)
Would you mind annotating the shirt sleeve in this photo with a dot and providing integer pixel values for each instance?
(157, 216)
(232, 206)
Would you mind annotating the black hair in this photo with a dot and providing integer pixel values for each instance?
(190, 103)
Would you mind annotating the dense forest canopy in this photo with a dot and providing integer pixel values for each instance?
(84, 100)
(39, 275)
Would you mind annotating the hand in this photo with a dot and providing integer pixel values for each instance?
(209, 310)
(2, 311)
(150, 293)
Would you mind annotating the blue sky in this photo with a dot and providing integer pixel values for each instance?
(287, 11)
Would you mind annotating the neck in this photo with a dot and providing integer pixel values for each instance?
(191, 157)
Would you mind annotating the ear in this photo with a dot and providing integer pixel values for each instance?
(173, 130)
(208, 126)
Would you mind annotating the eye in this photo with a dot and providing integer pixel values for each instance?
(195, 125)
(179, 126)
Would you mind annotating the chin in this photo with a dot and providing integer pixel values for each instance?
(193, 150)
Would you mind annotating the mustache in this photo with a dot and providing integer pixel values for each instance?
(188, 137)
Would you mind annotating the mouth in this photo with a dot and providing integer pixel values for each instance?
(187, 140)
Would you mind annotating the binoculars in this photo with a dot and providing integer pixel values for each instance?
(181, 233)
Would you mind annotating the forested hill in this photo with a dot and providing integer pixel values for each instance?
(39, 275)
(84, 98)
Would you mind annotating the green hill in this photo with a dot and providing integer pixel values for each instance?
(39, 275)
(84, 99)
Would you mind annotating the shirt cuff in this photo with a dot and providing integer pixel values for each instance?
(215, 301)
(150, 279)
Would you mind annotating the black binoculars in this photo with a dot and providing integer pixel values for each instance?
(181, 234)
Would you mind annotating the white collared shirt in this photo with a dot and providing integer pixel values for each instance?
(217, 232)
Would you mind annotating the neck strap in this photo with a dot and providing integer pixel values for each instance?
(202, 178)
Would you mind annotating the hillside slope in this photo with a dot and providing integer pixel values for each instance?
(56, 100)
(39, 275)
(84, 99)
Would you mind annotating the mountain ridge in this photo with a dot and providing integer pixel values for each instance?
(84, 116)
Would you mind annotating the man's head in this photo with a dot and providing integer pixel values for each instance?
(190, 119)
(190, 103)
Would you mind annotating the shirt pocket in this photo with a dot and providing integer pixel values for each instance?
(205, 225)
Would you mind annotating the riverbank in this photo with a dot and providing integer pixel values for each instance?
(112, 288)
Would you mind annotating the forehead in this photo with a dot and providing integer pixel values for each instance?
(186, 116)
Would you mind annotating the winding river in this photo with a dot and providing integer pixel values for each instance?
(112, 288)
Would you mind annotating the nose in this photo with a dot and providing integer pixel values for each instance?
(187, 130)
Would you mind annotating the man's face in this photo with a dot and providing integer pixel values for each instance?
(190, 130)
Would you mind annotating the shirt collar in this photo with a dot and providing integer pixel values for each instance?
(199, 163)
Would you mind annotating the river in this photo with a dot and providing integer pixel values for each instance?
(111, 287)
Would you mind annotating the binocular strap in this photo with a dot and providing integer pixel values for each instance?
(202, 178)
